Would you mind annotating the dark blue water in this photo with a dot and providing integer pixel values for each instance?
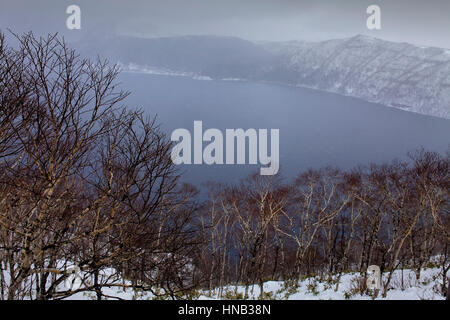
(316, 128)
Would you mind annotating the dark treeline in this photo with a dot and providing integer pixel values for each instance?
(86, 182)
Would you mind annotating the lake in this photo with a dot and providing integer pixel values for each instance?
(316, 128)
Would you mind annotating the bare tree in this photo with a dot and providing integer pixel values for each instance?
(84, 181)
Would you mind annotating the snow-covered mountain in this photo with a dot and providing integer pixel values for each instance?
(400, 75)
(396, 74)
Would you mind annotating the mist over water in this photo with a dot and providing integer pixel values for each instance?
(316, 128)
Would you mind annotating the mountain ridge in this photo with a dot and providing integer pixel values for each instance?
(396, 74)
(401, 75)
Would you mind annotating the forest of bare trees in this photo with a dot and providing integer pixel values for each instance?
(83, 180)
(330, 222)
(87, 182)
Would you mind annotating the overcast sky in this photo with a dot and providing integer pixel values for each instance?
(415, 21)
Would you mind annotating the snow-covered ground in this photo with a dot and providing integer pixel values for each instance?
(134, 68)
(402, 287)
(313, 288)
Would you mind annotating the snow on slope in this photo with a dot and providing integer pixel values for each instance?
(133, 68)
(401, 75)
(426, 288)
(315, 289)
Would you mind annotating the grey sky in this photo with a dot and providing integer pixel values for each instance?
(416, 21)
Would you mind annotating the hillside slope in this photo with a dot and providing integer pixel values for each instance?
(400, 75)
(396, 74)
